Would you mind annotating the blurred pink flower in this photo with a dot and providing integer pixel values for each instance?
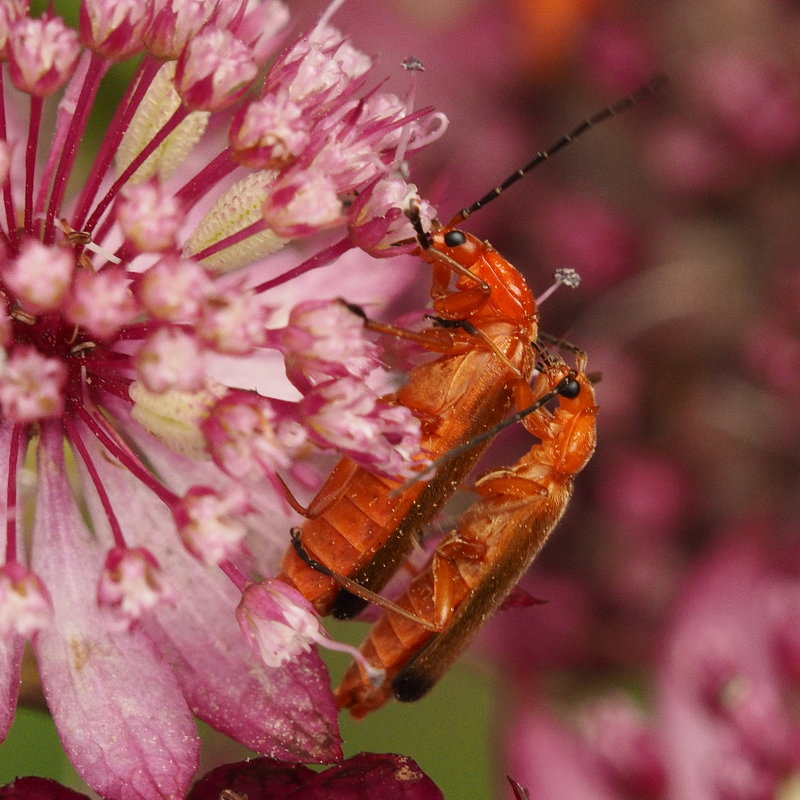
(722, 723)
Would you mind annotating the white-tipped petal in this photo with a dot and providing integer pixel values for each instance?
(238, 208)
(174, 417)
(159, 103)
(116, 702)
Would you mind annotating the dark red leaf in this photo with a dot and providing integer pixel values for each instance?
(364, 777)
(33, 788)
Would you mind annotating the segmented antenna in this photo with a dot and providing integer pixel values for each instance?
(653, 86)
(352, 586)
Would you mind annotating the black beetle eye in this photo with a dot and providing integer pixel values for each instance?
(455, 238)
(570, 390)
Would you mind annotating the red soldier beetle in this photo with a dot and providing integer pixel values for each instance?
(486, 361)
(361, 525)
(477, 565)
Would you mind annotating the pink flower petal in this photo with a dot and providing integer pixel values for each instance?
(10, 659)
(286, 712)
(117, 706)
(11, 646)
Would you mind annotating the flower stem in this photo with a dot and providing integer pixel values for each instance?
(11, 495)
(116, 130)
(321, 259)
(79, 444)
(97, 68)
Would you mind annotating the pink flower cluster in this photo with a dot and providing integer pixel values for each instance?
(142, 498)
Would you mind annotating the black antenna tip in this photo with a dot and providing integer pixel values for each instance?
(658, 82)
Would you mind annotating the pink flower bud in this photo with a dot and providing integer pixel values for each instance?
(114, 28)
(214, 70)
(42, 54)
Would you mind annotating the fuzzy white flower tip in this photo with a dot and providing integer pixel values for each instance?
(325, 339)
(279, 623)
(114, 28)
(346, 414)
(214, 70)
(132, 583)
(171, 359)
(249, 439)
(271, 132)
(378, 219)
(25, 606)
(102, 302)
(174, 289)
(150, 217)
(39, 275)
(31, 386)
(303, 203)
(42, 54)
(210, 523)
(233, 322)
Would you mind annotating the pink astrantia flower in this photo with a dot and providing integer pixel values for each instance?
(159, 498)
